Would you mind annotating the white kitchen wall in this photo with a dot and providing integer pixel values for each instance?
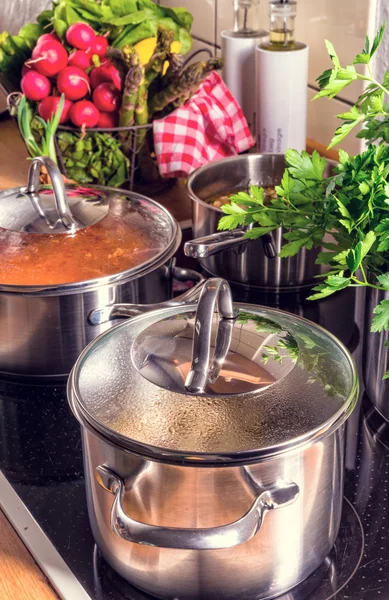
(344, 22)
(16, 13)
(382, 61)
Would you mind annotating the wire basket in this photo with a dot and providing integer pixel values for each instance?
(134, 145)
(127, 141)
(143, 168)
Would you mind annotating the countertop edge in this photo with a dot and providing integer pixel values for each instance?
(45, 554)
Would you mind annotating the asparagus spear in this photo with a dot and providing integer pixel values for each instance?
(184, 87)
(176, 62)
(153, 68)
(121, 61)
(156, 63)
(132, 83)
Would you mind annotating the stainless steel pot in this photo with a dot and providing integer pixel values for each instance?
(376, 357)
(225, 253)
(44, 328)
(214, 465)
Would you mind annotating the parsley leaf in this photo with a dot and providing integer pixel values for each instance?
(235, 216)
(292, 248)
(258, 194)
(353, 258)
(378, 39)
(383, 230)
(384, 280)
(304, 166)
(253, 234)
(381, 320)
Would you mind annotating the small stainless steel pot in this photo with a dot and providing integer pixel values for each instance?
(43, 329)
(196, 486)
(376, 356)
(225, 253)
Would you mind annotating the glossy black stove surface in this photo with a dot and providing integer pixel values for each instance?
(41, 457)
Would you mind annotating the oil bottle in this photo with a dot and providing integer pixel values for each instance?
(281, 83)
(238, 50)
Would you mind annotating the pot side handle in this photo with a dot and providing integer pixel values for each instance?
(214, 243)
(226, 240)
(210, 538)
(99, 316)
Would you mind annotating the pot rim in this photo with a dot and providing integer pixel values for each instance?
(229, 159)
(195, 458)
(87, 285)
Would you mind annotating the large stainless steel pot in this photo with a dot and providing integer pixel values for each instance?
(44, 328)
(376, 356)
(225, 253)
(214, 465)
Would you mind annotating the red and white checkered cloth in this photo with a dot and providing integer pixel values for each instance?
(210, 126)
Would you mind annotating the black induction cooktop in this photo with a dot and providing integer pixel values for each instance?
(41, 460)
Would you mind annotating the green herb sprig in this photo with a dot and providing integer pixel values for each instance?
(351, 205)
(45, 144)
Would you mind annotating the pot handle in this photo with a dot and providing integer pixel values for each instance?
(218, 291)
(209, 538)
(98, 316)
(225, 240)
(214, 243)
(57, 182)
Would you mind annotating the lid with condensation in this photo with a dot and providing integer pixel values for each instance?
(187, 384)
(57, 208)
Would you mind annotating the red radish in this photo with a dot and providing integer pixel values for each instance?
(26, 69)
(108, 120)
(46, 37)
(105, 62)
(80, 59)
(35, 86)
(80, 35)
(49, 58)
(48, 107)
(100, 46)
(106, 73)
(106, 97)
(84, 114)
(73, 82)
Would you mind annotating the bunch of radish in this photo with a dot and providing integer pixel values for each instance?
(92, 93)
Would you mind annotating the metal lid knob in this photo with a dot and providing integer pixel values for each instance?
(57, 182)
(54, 208)
(215, 291)
(204, 353)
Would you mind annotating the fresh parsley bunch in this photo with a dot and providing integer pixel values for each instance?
(351, 205)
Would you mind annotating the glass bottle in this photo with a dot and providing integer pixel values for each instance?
(282, 24)
(246, 17)
(281, 83)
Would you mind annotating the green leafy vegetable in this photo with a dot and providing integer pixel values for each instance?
(123, 21)
(97, 158)
(351, 205)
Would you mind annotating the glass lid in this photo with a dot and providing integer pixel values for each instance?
(108, 232)
(50, 209)
(244, 379)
